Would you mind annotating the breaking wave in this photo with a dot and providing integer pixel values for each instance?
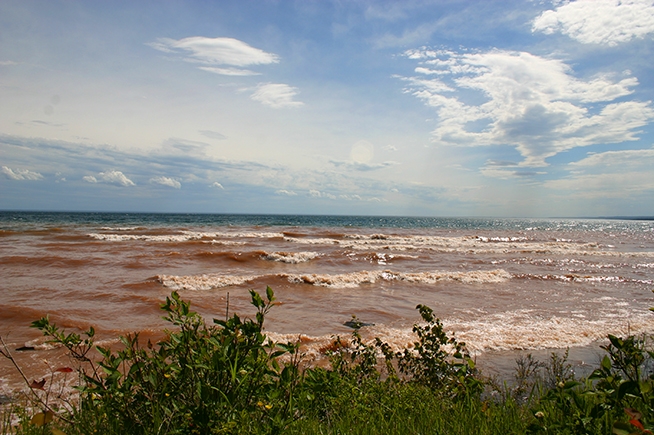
(345, 280)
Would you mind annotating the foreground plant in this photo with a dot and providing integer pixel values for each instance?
(227, 377)
(218, 378)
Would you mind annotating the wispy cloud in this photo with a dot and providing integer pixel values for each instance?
(229, 71)
(533, 103)
(21, 174)
(276, 95)
(362, 166)
(216, 51)
(212, 134)
(614, 174)
(607, 22)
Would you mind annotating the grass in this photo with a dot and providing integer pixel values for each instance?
(227, 377)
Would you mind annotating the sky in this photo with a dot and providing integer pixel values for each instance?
(514, 108)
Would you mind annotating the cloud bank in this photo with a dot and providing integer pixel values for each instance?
(606, 22)
(21, 174)
(532, 103)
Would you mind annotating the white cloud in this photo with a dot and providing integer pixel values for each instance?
(90, 179)
(111, 177)
(360, 166)
(229, 71)
(618, 159)
(285, 192)
(217, 185)
(607, 22)
(216, 51)
(276, 95)
(526, 101)
(166, 181)
(21, 174)
(609, 174)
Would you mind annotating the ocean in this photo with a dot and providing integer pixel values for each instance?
(503, 286)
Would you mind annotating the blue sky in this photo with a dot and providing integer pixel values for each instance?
(440, 108)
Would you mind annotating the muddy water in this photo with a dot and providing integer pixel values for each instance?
(501, 285)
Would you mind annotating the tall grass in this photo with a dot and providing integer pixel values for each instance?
(227, 377)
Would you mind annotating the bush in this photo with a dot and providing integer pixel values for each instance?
(205, 379)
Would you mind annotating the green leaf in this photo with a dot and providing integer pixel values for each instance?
(256, 299)
(270, 294)
(606, 363)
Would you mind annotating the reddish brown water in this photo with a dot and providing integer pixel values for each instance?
(521, 285)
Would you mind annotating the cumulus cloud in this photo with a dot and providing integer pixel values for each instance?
(276, 95)
(110, 177)
(318, 194)
(21, 174)
(166, 181)
(532, 103)
(217, 185)
(216, 51)
(607, 22)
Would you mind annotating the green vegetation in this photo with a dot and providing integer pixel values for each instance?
(229, 378)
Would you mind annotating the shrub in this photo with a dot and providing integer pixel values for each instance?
(204, 379)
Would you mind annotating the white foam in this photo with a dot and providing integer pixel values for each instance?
(184, 236)
(522, 330)
(143, 237)
(234, 235)
(202, 282)
(355, 279)
(469, 244)
(290, 257)
(508, 331)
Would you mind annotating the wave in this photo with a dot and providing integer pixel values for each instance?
(469, 244)
(571, 277)
(506, 331)
(202, 282)
(184, 236)
(473, 244)
(355, 279)
(290, 257)
(45, 261)
(345, 280)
